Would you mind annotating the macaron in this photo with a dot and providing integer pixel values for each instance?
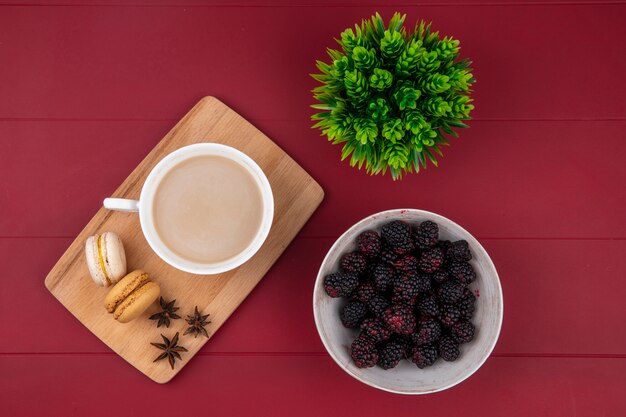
(131, 296)
(106, 258)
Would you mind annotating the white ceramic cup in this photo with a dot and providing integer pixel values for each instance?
(146, 200)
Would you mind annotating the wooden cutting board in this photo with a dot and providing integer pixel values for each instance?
(296, 196)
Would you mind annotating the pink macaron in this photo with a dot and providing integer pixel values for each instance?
(106, 258)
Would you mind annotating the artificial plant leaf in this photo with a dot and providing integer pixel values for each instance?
(389, 95)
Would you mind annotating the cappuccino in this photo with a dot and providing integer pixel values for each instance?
(207, 209)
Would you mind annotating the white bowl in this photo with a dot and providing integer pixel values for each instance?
(407, 378)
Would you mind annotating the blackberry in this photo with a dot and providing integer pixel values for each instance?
(390, 354)
(431, 260)
(363, 352)
(462, 272)
(375, 330)
(369, 269)
(396, 233)
(405, 248)
(427, 305)
(369, 243)
(428, 331)
(445, 246)
(365, 292)
(377, 305)
(353, 314)
(466, 310)
(426, 235)
(469, 294)
(424, 282)
(340, 284)
(448, 349)
(408, 263)
(406, 288)
(439, 276)
(399, 318)
(388, 255)
(458, 252)
(463, 331)
(431, 307)
(383, 277)
(405, 342)
(354, 263)
(424, 355)
(450, 292)
(449, 314)
(466, 305)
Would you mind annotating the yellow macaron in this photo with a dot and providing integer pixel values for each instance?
(131, 296)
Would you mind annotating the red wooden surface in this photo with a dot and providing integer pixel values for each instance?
(88, 87)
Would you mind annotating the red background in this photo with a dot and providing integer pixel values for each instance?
(88, 87)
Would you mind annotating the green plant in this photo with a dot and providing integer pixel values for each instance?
(390, 96)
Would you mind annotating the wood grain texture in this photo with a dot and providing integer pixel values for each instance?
(554, 294)
(150, 62)
(492, 180)
(296, 196)
(307, 386)
(333, 4)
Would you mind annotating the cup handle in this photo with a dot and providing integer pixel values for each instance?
(121, 204)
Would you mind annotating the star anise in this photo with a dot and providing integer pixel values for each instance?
(197, 323)
(168, 312)
(170, 349)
